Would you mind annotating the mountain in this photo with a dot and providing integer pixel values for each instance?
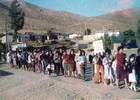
(116, 21)
(40, 20)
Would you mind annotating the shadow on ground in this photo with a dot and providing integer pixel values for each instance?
(2, 62)
(5, 73)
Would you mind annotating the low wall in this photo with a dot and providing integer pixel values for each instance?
(127, 51)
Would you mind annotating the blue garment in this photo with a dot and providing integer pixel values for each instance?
(82, 59)
(23, 56)
(56, 58)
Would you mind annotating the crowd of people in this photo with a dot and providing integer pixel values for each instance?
(58, 62)
(112, 69)
(107, 69)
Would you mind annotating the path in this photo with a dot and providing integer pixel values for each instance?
(22, 85)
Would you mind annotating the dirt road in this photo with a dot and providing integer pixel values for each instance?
(16, 84)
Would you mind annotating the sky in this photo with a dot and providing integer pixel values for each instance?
(87, 7)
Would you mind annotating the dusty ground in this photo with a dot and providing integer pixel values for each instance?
(16, 84)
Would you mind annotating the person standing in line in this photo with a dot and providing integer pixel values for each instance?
(39, 68)
(132, 72)
(11, 62)
(92, 61)
(114, 66)
(61, 65)
(8, 57)
(72, 67)
(19, 59)
(29, 61)
(50, 61)
(57, 62)
(14, 57)
(99, 67)
(65, 58)
(107, 62)
(138, 66)
(78, 68)
(121, 68)
(90, 58)
(33, 62)
(83, 62)
(43, 58)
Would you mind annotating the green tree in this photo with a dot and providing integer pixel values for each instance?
(107, 41)
(49, 32)
(128, 39)
(87, 31)
(17, 18)
(137, 34)
(2, 47)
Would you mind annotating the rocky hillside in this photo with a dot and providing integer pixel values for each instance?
(40, 20)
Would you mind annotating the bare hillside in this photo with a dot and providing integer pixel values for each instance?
(40, 20)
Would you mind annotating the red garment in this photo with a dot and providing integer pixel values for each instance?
(72, 66)
(65, 58)
(71, 59)
(121, 73)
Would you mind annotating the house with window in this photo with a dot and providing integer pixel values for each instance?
(31, 37)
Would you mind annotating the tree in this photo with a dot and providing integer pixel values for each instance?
(107, 42)
(87, 31)
(2, 47)
(129, 40)
(137, 34)
(17, 18)
(49, 32)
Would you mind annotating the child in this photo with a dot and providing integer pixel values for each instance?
(65, 58)
(82, 62)
(132, 75)
(108, 69)
(14, 57)
(33, 62)
(78, 69)
(56, 59)
(114, 65)
(29, 61)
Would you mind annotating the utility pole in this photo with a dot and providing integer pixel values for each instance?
(85, 28)
(5, 23)
(6, 33)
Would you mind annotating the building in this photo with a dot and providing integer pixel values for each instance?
(9, 39)
(89, 38)
(71, 36)
(31, 37)
(98, 35)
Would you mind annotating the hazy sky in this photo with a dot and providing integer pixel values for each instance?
(87, 7)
